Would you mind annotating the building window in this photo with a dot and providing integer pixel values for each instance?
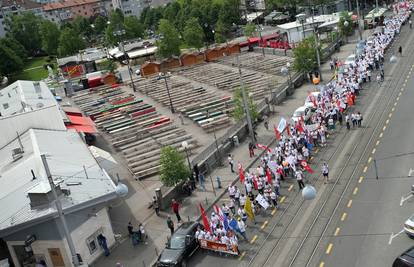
(92, 241)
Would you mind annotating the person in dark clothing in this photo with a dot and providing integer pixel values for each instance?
(156, 205)
(170, 224)
(130, 229)
(196, 171)
(400, 50)
(103, 243)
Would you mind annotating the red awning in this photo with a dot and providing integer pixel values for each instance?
(81, 124)
(82, 128)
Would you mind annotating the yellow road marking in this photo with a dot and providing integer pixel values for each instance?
(329, 248)
(390, 115)
(311, 158)
(349, 203)
(387, 121)
(377, 143)
(327, 135)
(273, 212)
(317, 150)
(381, 134)
(322, 264)
(385, 127)
(264, 225)
(355, 191)
(374, 150)
(242, 255)
(360, 179)
(290, 187)
(282, 199)
(343, 217)
(365, 169)
(392, 109)
(369, 160)
(253, 239)
(337, 231)
(398, 98)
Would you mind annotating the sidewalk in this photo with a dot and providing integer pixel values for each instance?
(145, 254)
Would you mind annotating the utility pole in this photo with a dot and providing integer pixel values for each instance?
(245, 103)
(359, 20)
(61, 216)
(318, 57)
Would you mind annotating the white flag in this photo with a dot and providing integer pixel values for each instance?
(262, 201)
(282, 125)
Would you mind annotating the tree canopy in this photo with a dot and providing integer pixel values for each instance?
(169, 43)
(49, 33)
(249, 29)
(193, 34)
(173, 168)
(305, 56)
(345, 30)
(239, 110)
(69, 42)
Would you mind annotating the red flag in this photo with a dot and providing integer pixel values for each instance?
(263, 147)
(299, 127)
(306, 166)
(205, 220)
(288, 129)
(313, 99)
(241, 172)
(255, 183)
(280, 170)
(276, 132)
(269, 176)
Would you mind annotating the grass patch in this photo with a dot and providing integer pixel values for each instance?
(34, 70)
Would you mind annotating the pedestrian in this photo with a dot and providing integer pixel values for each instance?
(299, 179)
(181, 118)
(331, 64)
(170, 224)
(359, 119)
(142, 233)
(400, 50)
(251, 149)
(273, 197)
(156, 205)
(176, 209)
(325, 172)
(340, 118)
(202, 180)
(232, 206)
(242, 228)
(231, 162)
(103, 243)
(130, 229)
(196, 171)
(382, 75)
(266, 125)
(369, 75)
(225, 210)
(379, 80)
(347, 121)
(353, 119)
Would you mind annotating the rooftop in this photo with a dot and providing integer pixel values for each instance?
(72, 165)
(26, 4)
(67, 3)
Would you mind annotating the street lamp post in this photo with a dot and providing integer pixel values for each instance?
(120, 33)
(164, 76)
(286, 72)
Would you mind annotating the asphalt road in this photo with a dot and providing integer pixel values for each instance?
(332, 230)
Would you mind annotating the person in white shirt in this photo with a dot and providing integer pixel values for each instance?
(325, 172)
(242, 200)
(242, 228)
(299, 179)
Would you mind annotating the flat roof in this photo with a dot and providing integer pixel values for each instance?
(25, 96)
(67, 156)
(67, 3)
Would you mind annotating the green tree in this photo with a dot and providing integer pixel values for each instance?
(220, 33)
(239, 111)
(249, 29)
(116, 18)
(345, 30)
(133, 27)
(70, 42)
(169, 43)
(100, 24)
(49, 34)
(82, 26)
(305, 56)
(173, 168)
(15, 46)
(10, 62)
(25, 29)
(193, 34)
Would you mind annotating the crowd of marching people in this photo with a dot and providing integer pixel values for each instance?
(260, 187)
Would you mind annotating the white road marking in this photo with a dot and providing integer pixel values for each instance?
(410, 172)
(394, 236)
(405, 198)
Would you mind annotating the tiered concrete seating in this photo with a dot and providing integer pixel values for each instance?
(133, 127)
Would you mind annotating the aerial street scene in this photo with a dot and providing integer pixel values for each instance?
(200, 133)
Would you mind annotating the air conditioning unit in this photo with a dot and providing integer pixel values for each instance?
(17, 153)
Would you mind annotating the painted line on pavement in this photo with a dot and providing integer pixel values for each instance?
(274, 211)
(329, 248)
(377, 143)
(369, 160)
(242, 255)
(290, 187)
(398, 98)
(365, 169)
(381, 134)
(385, 127)
(374, 150)
(253, 239)
(393, 109)
(394, 236)
(337, 231)
(322, 264)
(387, 121)
(264, 225)
(343, 217)
(311, 158)
(355, 191)
(282, 199)
(395, 104)
(399, 94)
(360, 179)
(317, 150)
(390, 115)
(349, 203)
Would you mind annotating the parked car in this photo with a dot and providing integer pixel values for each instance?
(304, 112)
(180, 246)
(409, 226)
(309, 102)
(406, 259)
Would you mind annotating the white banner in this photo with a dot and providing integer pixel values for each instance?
(282, 125)
(312, 127)
(262, 201)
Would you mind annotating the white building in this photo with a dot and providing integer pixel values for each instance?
(28, 217)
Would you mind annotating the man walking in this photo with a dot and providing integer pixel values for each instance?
(242, 228)
(170, 224)
(231, 162)
(325, 172)
(299, 178)
(156, 205)
(202, 182)
(176, 209)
